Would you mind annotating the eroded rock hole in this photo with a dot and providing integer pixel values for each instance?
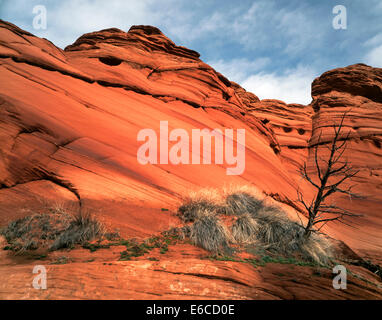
(110, 61)
(377, 143)
(301, 131)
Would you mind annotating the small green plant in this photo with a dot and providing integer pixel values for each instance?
(111, 236)
(61, 260)
(40, 257)
(279, 259)
(135, 248)
(256, 262)
(225, 258)
(120, 242)
(95, 246)
(163, 250)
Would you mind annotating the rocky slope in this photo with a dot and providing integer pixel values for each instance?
(69, 121)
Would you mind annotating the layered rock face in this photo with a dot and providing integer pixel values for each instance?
(356, 90)
(69, 121)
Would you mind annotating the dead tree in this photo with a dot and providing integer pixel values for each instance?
(331, 174)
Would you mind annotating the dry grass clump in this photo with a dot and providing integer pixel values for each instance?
(35, 231)
(245, 229)
(280, 235)
(209, 233)
(239, 203)
(83, 228)
(317, 249)
(52, 230)
(192, 210)
(198, 203)
(274, 227)
(259, 223)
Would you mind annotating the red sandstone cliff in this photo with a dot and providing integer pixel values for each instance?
(68, 131)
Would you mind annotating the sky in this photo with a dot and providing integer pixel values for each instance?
(273, 48)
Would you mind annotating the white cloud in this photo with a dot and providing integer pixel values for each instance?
(292, 86)
(262, 25)
(238, 69)
(266, 25)
(68, 20)
(374, 57)
(376, 40)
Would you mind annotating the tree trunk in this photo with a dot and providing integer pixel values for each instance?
(308, 228)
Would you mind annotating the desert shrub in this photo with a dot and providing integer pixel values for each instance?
(52, 230)
(274, 227)
(35, 231)
(259, 224)
(192, 209)
(245, 229)
(280, 235)
(198, 203)
(317, 249)
(209, 233)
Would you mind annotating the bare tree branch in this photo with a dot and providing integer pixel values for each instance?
(319, 212)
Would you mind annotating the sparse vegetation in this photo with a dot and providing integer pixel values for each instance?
(329, 179)
(197, 204)
(258, 223)
(239, 203)
(52, 230)
(61, 260)
(95, 246)
(193, 209)
(278, 234)
(245, 229)
(82, 228)
(218, 257)
(112, 235)
(135, 248)
(209, 233)
(263, 260)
